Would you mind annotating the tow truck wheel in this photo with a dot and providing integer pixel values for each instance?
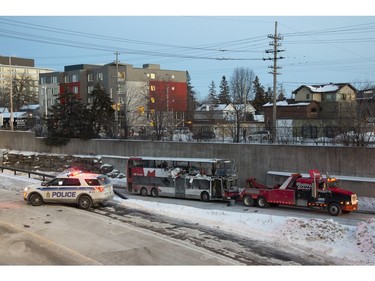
(84, 202)
(262, 202)
(205, 196)
(248, 201)
(36, 199)
(334, 209)
(143, 191)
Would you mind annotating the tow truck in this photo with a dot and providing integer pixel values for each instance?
(313, 192)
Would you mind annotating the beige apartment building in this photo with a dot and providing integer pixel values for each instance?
(26, 81)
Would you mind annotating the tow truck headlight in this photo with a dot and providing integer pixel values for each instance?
(26, 189)
(354, 199)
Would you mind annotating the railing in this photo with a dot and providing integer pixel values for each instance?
(15, 170)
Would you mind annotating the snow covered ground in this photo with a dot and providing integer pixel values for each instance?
(350, 245)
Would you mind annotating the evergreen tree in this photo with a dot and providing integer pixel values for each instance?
(212, 96)
(191, 99)
(260, 95)
(101, 111)
(224, 96)
(281, 95)
(269, 95)
(69, 118)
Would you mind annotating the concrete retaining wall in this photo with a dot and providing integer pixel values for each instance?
(253, 160)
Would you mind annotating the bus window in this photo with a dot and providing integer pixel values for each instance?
(201, 184)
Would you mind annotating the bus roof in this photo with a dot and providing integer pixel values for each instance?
(180, 159)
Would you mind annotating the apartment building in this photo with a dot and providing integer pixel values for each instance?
(25, 77)
(24, 72)
(129, 87)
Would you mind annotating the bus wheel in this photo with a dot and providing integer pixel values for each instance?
(334, 209)
(262, 202)
(143, 191)
(248, 201)
(36, 199)
(154, 192)
(205, 196)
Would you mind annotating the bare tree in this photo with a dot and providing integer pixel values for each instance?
(160, 114)
(133, 109)
(355, 124)
(241, 83)
(23, 92)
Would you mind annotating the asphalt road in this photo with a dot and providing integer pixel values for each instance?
(64, 235)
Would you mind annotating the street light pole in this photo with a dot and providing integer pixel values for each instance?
(11, 94)
(45, 100)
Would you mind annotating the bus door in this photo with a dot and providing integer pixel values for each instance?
(180, 187)
(217, 189)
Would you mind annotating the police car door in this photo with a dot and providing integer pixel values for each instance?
(69, 189)
(51, 190)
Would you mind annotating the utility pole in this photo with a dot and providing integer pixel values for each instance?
(275, 44)
(118, 106)
(11, 119)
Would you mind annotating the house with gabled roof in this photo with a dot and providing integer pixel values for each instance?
(336, 99)
(315, 109)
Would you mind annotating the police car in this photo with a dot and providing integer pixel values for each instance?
(71, 186)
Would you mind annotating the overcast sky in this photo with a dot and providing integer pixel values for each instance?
(318, 46)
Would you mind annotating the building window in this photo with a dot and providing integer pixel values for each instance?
(90, 77)
(307, 96)
(152, 75)
(99, 76)
(75, 78)
(42, 80)
(54, 79)
(121, 76)
(90, 89)
(66, 78)
(75, 89)
(330, 97)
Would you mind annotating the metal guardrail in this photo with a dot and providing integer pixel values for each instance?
(15, 170)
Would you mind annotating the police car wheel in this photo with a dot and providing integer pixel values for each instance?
(36, 199)
(84, 202)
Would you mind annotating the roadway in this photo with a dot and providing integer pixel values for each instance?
(64, 235)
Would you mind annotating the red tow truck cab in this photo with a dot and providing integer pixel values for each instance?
(314, 192)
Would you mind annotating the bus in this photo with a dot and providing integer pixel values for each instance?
(192, 178)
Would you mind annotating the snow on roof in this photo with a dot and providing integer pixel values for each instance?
(324, 88)
(212, 107)
(30, 107)
(15, 114)
(285, 103)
